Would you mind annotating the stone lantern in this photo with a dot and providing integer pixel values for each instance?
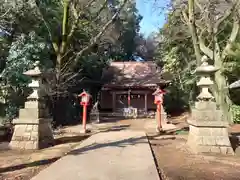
(33, 127)
(208, 130)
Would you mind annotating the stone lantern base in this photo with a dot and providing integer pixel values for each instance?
(31, 131)
(206, 137)
(207, 131)
(35, 134)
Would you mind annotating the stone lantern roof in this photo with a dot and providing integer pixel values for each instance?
(36, 72)
(205, 67)
(205, 70)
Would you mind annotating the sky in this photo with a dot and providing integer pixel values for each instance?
(153, 16)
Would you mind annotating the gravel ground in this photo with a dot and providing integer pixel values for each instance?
(177, 163)
(170, 153)
(23, 165)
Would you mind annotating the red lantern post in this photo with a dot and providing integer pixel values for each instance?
(85, 99)
(158, 100)
(129, 98)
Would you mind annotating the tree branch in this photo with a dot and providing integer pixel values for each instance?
(232, 38)
(99, 35)
(184, 15)
(207, 51)
(199, 25)
(54, 44)
(199, 5)
(217, 51)
(66, 67)
(2, 16)
(101, 9)
(183, 19)
(220, 20)
(76, 21)
(90, 3)
(193, 30)
(72, 77)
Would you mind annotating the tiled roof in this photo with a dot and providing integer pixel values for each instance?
(132, 74)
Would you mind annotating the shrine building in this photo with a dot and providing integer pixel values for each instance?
(130, 84)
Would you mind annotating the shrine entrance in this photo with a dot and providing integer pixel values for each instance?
(136, 101)
(131, 98)
(130, 87)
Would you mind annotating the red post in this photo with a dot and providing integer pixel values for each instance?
(158, 101)
(159, 117)
(84, 118)
(85, 98)
(129, 98)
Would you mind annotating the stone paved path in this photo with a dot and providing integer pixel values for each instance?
(119, 155)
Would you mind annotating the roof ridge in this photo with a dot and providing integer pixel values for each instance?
(135, 62)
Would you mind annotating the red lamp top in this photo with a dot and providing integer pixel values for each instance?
(85, 98)
(159, 96)
(159, 92)
(84, 93)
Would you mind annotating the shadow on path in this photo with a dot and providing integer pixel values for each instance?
(70, 139)
(114, 128)
(64, 140)
(32, 164)
(121, 144)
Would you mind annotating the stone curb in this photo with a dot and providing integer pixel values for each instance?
(162, 174)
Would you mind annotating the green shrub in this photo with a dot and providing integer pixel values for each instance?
(236, 114)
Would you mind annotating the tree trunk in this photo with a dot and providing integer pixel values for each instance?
(192, 28)
(59, 111)
(222, 92)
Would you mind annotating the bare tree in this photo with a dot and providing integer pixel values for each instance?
(75, 14)
(205, 20)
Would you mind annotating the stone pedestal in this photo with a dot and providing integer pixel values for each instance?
(94, 114)
(94, 117)
(35, 134)
(33, 127)
(208, 132)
